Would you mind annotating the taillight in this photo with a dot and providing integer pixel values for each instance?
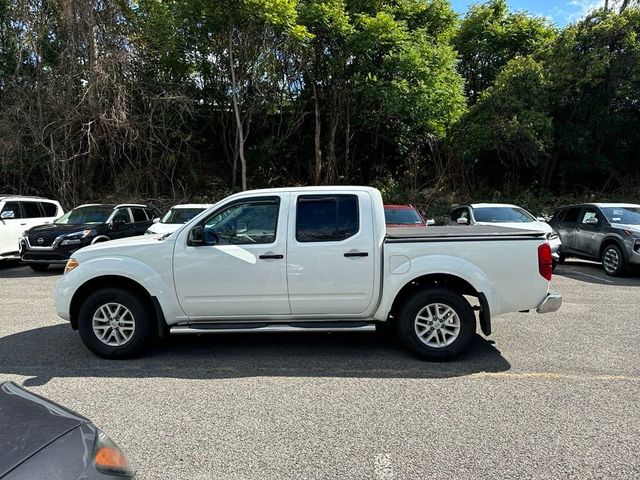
(545, 262)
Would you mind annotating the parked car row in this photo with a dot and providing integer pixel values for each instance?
(37, 230)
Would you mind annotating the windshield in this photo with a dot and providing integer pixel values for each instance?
(85, 215)
(180, 215)
(402, 217)
(624, 215)
(502, 215)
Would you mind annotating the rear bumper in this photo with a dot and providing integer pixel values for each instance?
(551, 303)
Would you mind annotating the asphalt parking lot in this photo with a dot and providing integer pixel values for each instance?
(546, 396)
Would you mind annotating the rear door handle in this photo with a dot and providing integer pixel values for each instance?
(356, 254)
(271, 257)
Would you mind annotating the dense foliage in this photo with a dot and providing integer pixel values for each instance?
(194, 98)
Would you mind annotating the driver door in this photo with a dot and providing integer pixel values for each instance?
(239, 269)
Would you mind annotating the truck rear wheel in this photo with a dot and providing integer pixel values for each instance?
(436, 324)
(114, 323)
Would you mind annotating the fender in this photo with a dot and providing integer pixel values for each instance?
(619, 241)
(123, 266)
(438, 264)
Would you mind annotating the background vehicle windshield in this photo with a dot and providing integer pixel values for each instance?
(180, 215)
(402, 217)
(502, 215)
(84, 215)
(625, 215)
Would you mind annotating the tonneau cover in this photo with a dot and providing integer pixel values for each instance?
(475, 232)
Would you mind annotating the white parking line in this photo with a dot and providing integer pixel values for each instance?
(586, 275)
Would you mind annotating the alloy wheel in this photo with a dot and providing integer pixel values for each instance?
(611, 260)
(437, 325)
(113, 324)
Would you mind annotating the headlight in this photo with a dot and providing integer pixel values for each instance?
(108, 457)
(76, 238)
(71, 241)
(71, 264)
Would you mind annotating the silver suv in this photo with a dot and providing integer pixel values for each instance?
(607, 232)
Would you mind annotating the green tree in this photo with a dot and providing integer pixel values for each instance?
(490, 35)
(508, 133)
(594, 68)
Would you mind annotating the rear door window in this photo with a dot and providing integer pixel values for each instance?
(31, 210)
(138, 215)
(49, 209)
(326, 218)
(572, 215)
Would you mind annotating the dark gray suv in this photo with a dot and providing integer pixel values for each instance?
(606, 232)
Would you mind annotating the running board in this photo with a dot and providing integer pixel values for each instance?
(274, 327)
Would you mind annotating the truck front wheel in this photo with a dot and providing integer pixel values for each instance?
(436, 324)
(114, 323)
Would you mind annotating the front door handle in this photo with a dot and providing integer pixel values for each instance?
(356, 254)
(271, 257)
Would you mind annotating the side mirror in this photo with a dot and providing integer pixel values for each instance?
(591, 221)
(431, 221)
(156, 220)
(8, 214)
(463, 221)
(196, 236)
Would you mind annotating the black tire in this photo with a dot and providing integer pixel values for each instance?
(561, 259)
(39, 267)
(407, 329)
(142, 317)
(613, 260)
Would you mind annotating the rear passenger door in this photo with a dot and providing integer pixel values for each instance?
(566, 228)
(331, 254)
(140, 220)
(32, 213)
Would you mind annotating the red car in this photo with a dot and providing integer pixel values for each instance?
(403, 216)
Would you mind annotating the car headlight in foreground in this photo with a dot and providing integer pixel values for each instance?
(108, 458)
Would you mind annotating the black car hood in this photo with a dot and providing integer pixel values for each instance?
(28, 423)
(61, 229)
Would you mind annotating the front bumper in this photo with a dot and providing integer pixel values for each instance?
(551, 303)
(54, 255)
(555, 245)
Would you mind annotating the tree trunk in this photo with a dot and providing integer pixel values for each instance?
(236, 111)
(317, 173)
(94, 127)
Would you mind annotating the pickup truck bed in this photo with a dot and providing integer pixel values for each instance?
(479, 232)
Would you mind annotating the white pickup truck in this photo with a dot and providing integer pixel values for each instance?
(304, 259)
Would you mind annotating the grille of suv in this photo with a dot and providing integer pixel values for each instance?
(47, 240)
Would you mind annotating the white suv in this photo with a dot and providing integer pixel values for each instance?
(18, 214)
